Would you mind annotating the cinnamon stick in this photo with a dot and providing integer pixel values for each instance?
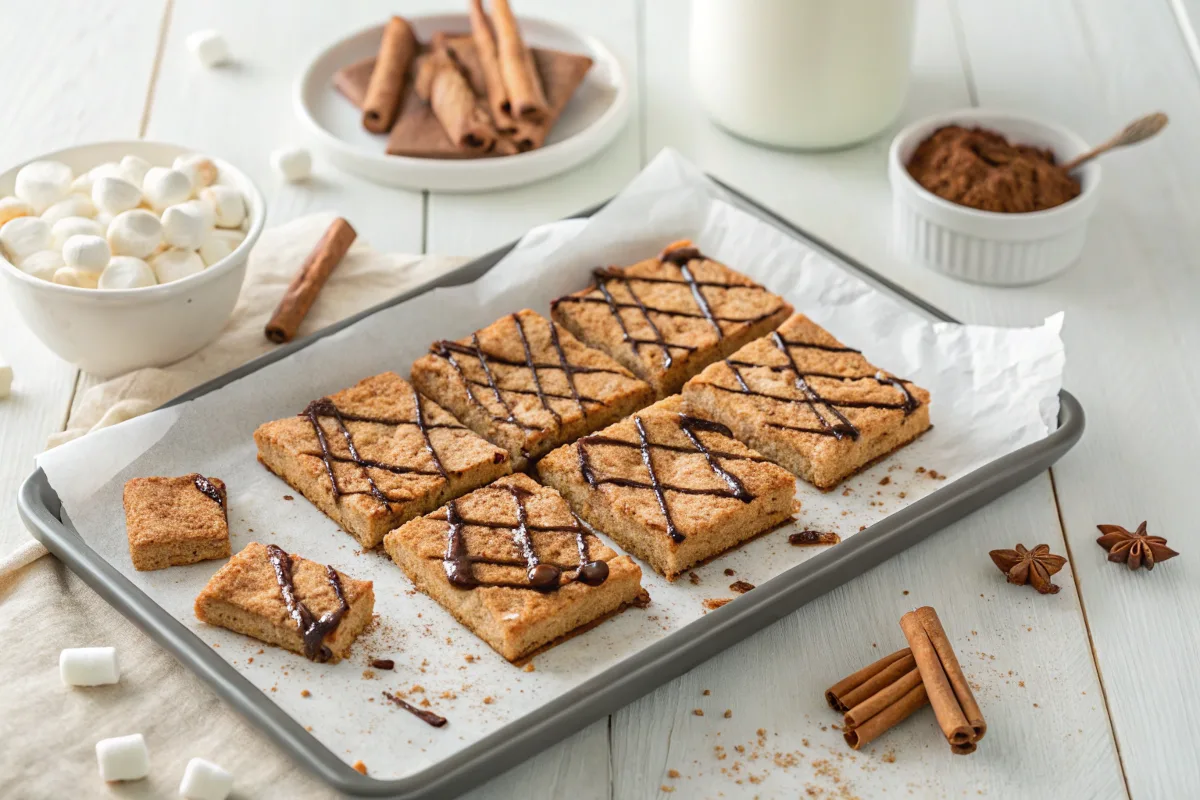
(307, 283)
(520, 75)
(887, 708)
(853, 689)
(489, 64)
(441, 84)
(396, 52)
(953, 703)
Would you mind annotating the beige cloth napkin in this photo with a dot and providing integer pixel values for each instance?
(50, 730)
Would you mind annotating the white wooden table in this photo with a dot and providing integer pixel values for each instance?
(1088, 693)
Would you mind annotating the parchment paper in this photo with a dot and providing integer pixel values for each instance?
(994, 390)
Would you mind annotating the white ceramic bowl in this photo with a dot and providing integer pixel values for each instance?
(987, 246)
(108, 332)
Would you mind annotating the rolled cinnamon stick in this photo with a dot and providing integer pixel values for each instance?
(386, 87)
(441, 84)
(887, 708)
(846, 694)
(520, 75)
(306, 285)
(953, 703)
(489, 63)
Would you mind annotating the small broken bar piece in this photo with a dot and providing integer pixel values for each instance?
(953, 703)
(288, 601)
(808, 402)
(524, 87)
(671, 488)
(666, 318)
(489, 66)
(513, 564)
(443, 86)
(308, 282)
(171, 522)
(376, 455)
(397, 50)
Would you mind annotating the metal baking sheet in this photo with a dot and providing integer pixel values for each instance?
(606, 692)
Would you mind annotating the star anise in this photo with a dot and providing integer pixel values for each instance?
(1033, 567)
(1136, 549)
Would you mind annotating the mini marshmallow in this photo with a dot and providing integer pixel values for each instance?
(172, 265)
(228, 203)
(73, 276)
(218, 244)
(126, 272)
(42, 264)
(209, 47)
(66, 228)
(200, 169)
(73, 205)
(24, 236)
(134, 169)
(114, 195)
(123, 758)
(204, 780)
(185, 226)
(164, 187)
(203, 209)
(136, 232)
(13, 207)
(82, 183)
(88, 666)
(88, 253)
(293, 163)
(43, 183)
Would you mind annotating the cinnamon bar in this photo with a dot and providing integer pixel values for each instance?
(810, 403)
(176, 521)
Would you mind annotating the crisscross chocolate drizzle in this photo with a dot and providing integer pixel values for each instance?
(689, 425)
(312, 630)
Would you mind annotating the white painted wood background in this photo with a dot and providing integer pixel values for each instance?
(1088, 693)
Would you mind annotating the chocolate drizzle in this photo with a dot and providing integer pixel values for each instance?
(425, 716)
(689, 425)
(542, 577)
(312, 630)
(206, 486)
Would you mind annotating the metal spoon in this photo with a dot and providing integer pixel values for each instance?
(1136, 131)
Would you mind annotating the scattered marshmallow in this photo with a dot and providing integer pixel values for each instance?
(220, 243)
(6, 378)
(164, 186)
(204, 780)
(174, 264)
(134, 169)
(71, 226)
(126, 272)
(113, 194)
(13, 207)
(293, 163)
(24, 236)
(42, 264)
(123, 758)
(136, 233)
(200, 169)
(79, 278)
(88, 253)
(73, 205)
(209, 47)
(88, 666)
(228, 204)
(185, 225)
(43, 183)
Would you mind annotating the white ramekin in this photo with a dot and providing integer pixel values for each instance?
(987, 246)
(107, 332)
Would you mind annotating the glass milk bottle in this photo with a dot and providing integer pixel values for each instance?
(802, 73)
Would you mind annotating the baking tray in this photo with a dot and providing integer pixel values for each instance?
(675, 654)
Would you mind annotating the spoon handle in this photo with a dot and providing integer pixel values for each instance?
(1136, 131)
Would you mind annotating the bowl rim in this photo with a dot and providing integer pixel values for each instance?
(1081, 203)
(240, 253)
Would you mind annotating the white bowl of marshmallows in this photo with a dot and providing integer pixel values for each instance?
(122, 255)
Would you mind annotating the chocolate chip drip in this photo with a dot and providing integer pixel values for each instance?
(325, 407)
(206, 486)
(689, 425)
(543, 577)
(836, 424)
(420, 713)
(312, 630)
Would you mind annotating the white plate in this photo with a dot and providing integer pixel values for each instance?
(593, 118)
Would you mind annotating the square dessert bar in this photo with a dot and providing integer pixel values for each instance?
(175, 521)
(376, 455)
(669, 487)
(527, 385)
(667, 318)
(512, 563)
(810, 403)
(288, 601)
